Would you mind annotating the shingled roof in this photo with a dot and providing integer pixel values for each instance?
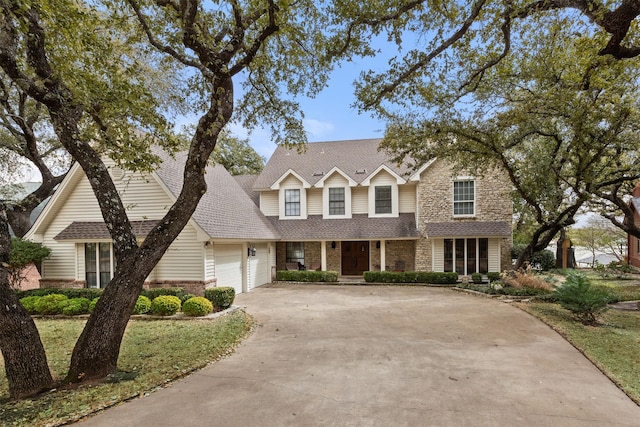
(468, 228)
(355, 158)
(225, 211)
(358, 227)
(83, 230)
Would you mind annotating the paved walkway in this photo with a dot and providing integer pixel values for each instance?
(387, 356)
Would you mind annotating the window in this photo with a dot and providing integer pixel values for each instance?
(292, 202)
(383, 199)
(466, 256)
(295, 252)
(463, 197)
(98, 263)
(336, 201)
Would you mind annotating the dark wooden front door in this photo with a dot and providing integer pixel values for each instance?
(355, 258)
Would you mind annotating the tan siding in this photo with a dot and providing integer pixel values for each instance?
(269, 203)
(407, 198)
(184, 258)
(314, 201)
(383, 178)
(494, 255)
(209, 263)
(336, 180)
(359, 200)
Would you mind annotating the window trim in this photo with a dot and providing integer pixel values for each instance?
(283, 202)
(342, 201)
(479, 261)
(465, 201)
(98, 272)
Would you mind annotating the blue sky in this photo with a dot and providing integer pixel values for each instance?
(330, 116)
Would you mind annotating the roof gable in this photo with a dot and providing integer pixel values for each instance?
(335, 171)
(356, 159)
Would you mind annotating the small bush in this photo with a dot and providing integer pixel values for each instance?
(583, 300)
(50, 304)
(143, 305)
(221, 297)
(616, 269)
(185, 297)
(476, 278)
(75, 306)
(197, 306)
(92, 304)
(165, 305)
(29, 304)
(306, 276)
(153, 293)
(493, 276)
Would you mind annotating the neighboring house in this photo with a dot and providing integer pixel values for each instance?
(227, 242)
(633, 243)
(343, 206)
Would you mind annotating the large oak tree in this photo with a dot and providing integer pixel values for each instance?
(270, 46)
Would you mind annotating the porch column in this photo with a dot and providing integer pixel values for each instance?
(323, 255)
(383, 258)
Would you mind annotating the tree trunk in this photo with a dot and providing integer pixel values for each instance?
(25, 360)
(98, 347)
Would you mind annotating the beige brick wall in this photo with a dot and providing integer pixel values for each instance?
(398, 252)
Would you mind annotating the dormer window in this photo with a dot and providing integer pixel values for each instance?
(292, 202)
(336, 201)
(383, 199)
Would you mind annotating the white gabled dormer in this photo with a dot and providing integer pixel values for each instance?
(336, 194)
(383, 192)
(292, 195)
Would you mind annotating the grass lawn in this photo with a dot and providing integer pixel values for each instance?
(153, 354)
(614, 346)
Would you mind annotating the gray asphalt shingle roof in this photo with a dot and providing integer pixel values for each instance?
(225, 211)
(83, 230)
(320, 157)
(358, 227)
(468, 228)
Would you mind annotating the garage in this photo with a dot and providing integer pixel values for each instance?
(228, 266)
(259, 268)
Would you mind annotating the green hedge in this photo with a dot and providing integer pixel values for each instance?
(431, 277)
(143, 305)
(306, 276)
(221, 298)
(88, 293)
(75, 306)
(165, 305)
(197, 306)
(50, 304)
(153, 293)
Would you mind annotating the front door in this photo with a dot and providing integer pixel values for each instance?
(355, 258)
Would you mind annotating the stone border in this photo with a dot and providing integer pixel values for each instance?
(177, 316)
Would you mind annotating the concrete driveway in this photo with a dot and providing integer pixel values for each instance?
(387, 356)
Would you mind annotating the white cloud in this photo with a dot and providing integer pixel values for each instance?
(317, 128)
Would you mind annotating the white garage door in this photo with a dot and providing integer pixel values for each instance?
(228, 259)
(259, 269)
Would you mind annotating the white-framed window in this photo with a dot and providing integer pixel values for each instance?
(466, 256)
(337, 201)
(99, 264)
(292, 202)
(464, 197)
(383, 200)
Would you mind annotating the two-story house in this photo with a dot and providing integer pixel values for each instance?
(343, 206)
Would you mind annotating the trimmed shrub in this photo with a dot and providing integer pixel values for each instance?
(153, 293)
(197, 306)
(306, 276)
(221, 297)
(92, 304)
(583, 300)
(50, 304)
(29, 304)
(75, 306)
(89, 293)
(476, 278)
(165, 305)
(143, 305)
(431, 277)
(185, 297)
(493, 275)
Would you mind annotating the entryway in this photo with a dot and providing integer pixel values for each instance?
(355, 258)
